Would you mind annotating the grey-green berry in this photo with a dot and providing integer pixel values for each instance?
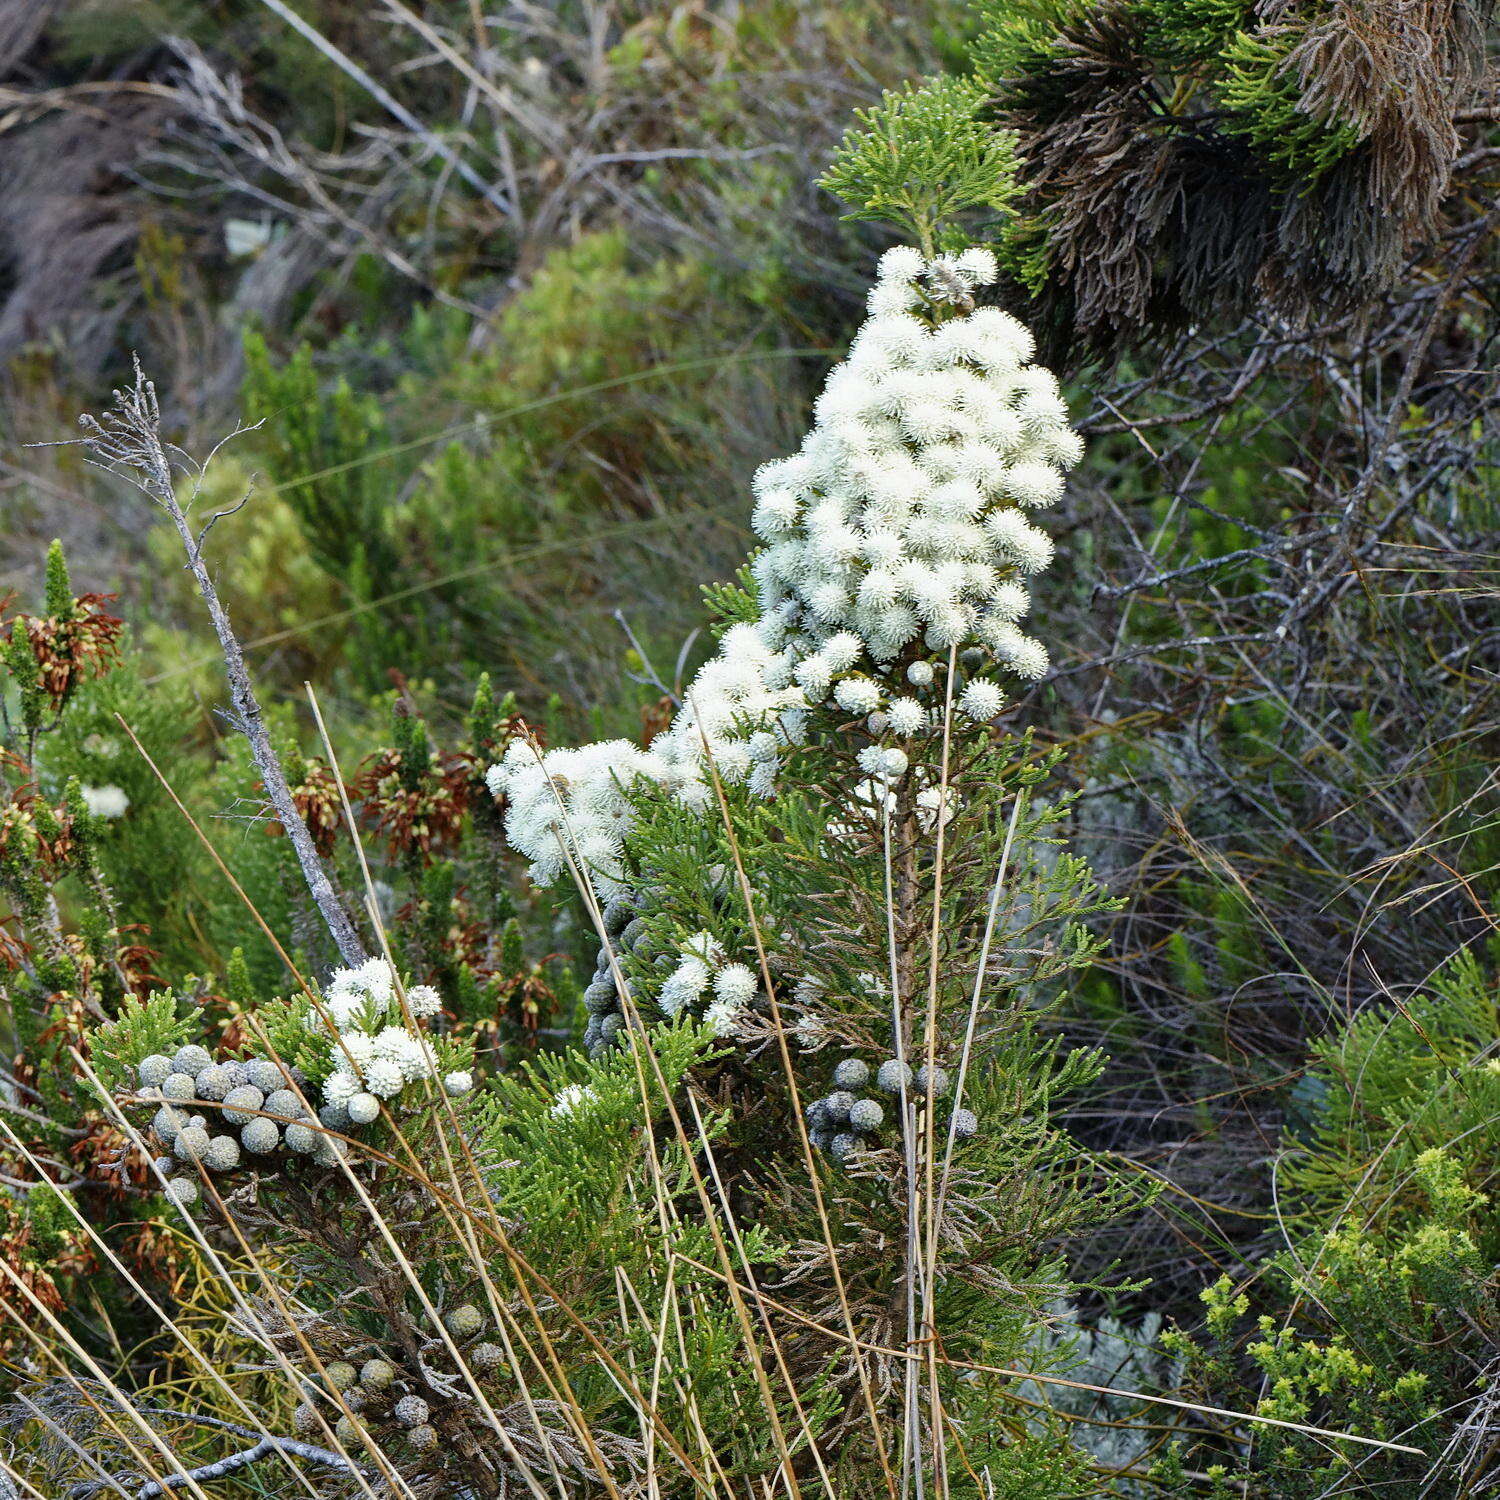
(264, 1074)
(376, 1374)
(866, 1114)
(346, 1431)
(634, 931)
(484, 1357)
(165, 1165)
(183, 1191)
(599, 997)
(423, 1437)
(340, 1375)
(304, 1418)
(411, 1410)
(153, 1071)
(191, 1060)
(965, 1124)
(240, 1100)
(610, 1027)
(260, 1136)
(179, 1088)
(237, 1073)
(841, 1145)
(852, 1073)
(934, 1084)
(893, 1075)
(166, 1122)
(223, 1154)
(213, 1082)
(302, 1138)
(191, 1144)
(285, 1103)
(464, 1322)
(334, 1116)
(837, 1105)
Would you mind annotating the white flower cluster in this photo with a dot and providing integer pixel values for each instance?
(105, 801)
(900, 530)
(904, 516)
(375, 1055)
(705, 975)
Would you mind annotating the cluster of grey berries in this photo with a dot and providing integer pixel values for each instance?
(239, 1093)
(602, 998)
(843, 1120)
(376, 1392)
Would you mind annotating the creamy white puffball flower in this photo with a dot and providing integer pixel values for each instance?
(423, 1001)
(980, 700)
(105, 801)
(905, 517)
(460, 1081)
(571, 1099)
(735, 984)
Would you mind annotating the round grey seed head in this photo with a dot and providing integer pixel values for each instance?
(240, 1100)
(411, 1410)
(213, 1082)
(260, 1136)
(238, 1073)
(599, 997)
(302, 1138)
(191, 1060)
(223, 1154)
(183, 1191)
(841, 1145)
(179, 1088)
(166, 1122)
(376, 1374)
(191, 1143)
(934, 1084)
(965, 1124)
(852, 1073)
(422, 1437)
(866, 1114)
(893, 1075)
(610, 1027)
(340, 1375)
(485, 1357)
(264, 1074)
(304, 1418)
(347, 1432)
(634, 931)
(284, 1102)
(153, 1071)
(464, 1322)
(334, 1116)
(837, 1105)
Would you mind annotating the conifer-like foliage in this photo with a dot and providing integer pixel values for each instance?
(1162, 164)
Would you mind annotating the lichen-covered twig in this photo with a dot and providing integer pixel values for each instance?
(127, 440)
(264, 1447)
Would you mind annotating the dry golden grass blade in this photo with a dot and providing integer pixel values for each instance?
(180, 1334)
(935, 1420)
(637, 1051)
(1082, 1385)
(747, 894)
(48, 1352)
(267, 1280)
(568, 1403)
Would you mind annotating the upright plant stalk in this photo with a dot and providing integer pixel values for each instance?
(128, 437)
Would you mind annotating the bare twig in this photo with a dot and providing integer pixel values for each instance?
(127, 440)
